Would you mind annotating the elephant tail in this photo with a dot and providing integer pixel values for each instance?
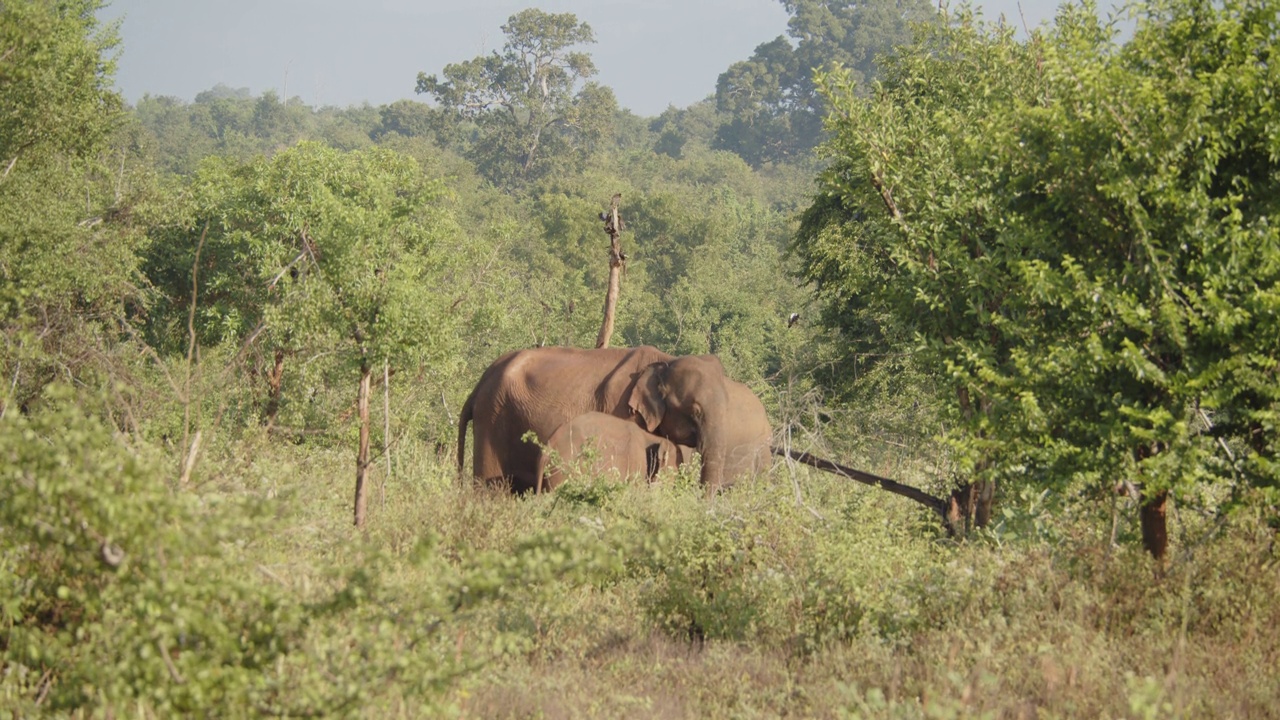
(464, 418)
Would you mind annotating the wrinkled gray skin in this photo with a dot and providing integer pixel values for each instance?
(617, 445)
(540, 389)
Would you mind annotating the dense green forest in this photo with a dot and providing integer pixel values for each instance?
(1033, 275)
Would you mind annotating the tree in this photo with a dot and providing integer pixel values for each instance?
(678, 130)
(1080, 247)
(773, 108)
(324, 249)
(526, 99)
(68, 236)
(55, 81)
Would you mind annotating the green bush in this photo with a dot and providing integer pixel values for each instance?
(117, 587)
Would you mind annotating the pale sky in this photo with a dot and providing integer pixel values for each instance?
(653, 53)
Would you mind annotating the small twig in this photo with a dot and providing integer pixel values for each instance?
(317, 356)
(267, 571)
(1221, 441)
(168, 663)
(155, 357)
(795, 482)
(886, 195)
(8, 169)
(271, 285)
(46, 682)
(308, 245)
(282, 430)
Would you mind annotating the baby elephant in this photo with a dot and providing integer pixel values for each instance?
(619, 444)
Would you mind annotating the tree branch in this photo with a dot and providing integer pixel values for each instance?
(935, 504)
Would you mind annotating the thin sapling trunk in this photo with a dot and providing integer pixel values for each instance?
(362, 455)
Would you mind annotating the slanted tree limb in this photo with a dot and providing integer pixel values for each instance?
(936, 504)
(613, 226)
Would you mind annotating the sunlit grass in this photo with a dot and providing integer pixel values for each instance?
(795, 593)
(848, 603)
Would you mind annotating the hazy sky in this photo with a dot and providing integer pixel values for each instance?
(653, 53)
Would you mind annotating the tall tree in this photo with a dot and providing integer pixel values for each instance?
(773, 107)
(319, 248)
(1077, 242)
(67, 242)
(530, 99)
(55, 81)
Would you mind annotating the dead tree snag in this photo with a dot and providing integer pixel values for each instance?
(613, 226)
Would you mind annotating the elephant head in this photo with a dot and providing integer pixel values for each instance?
(685, 400)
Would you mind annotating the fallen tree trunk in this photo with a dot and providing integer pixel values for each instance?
(936, 504)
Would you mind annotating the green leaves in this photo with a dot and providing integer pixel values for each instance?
(317, 243)
(55, 82)
(526, 99)
(114, 581)
(1078, 232)
(771, 101)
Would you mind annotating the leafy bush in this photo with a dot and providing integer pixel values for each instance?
(118, 588)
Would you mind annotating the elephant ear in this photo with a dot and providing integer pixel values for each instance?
(646, 396)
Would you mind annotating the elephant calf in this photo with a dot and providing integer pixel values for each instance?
(619, 444)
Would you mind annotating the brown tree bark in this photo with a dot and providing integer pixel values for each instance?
(933, 503)
(275, 381)
(613, 226)
(1155, 529)
(362, 455)
(1152, 511)
(959, 510)
(970, 504)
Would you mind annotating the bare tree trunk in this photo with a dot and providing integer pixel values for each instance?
(362, 456)
(1151, 513)
(985, 496)
(970, 504)
(386, 429)
(613, 226)
(345, 415)
(969, 507)
(275, 381)
(189, 450)
(1155, 531)
(959, 510)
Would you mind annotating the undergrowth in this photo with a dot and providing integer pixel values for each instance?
(246, 593)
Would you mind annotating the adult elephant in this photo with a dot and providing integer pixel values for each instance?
(540, 389)
(615, 444)
(748, 435)
(745, 434)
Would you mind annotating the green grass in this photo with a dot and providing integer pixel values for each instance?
(607, 600)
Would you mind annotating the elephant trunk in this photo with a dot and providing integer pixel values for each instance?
(464, 418)
(713, 444)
